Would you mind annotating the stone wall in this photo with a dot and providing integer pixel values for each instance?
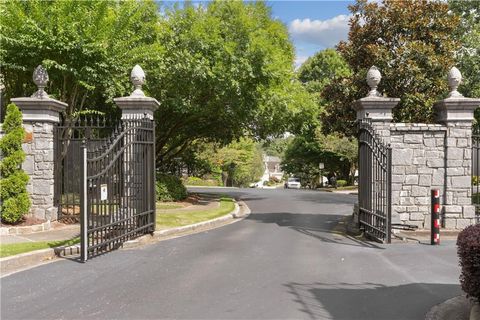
(418, 165)
(39, 165)
(458, 210)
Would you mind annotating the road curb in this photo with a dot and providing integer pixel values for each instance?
(20, 261)
(459, 308)
(11, 264)
(240, 212)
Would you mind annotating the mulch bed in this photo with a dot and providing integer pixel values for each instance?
(24, 222)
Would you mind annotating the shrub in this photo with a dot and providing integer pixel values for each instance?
(15, 201)
(273, 180)
(170, 188)
(195, 181)
(468, 243)
(341, 183)
(475, 180)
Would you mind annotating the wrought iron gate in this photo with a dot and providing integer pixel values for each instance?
(106, 173)
(375, 184)
(476, 170)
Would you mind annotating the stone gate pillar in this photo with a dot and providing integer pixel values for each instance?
(376, 107)
(457, 113)
(40, 115)
(135, 106)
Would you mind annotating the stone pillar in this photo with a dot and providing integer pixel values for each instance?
(135, 106)
(457, 114)
(40, 115)
(376, 107)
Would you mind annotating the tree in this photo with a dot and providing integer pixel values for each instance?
(304, 153)
(468, 55)
(221, 71)
(227, 72)
(238, 163)
(88, 47)
(276, 147)
(410, 42)
(15, 201)
(322, 69)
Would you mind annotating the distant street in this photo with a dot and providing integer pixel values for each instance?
(284, 261)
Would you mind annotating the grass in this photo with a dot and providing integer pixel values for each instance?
(166, 206)
(10, 249)
(178, 219)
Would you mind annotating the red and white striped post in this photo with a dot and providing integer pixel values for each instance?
(435, 234)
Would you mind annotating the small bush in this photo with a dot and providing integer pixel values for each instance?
(468, 246)
(273, 180)
(195, 181)
(170, 188)
(15, 201)
(475, 180)
(341, 183)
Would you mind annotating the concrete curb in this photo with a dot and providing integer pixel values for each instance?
(457, 308)
(11, 264)
(23, 260)
(475, 312)
(240, 212)
(45, 226)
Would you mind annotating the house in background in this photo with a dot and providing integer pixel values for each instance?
(272, 167)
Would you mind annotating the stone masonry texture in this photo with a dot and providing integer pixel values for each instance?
(39, 165)
(426, 157)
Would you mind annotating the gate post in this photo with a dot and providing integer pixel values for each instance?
(40, 115)
(379, 111)
(457, 113)
(138, 106)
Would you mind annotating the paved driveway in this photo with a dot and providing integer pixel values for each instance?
(283, 261)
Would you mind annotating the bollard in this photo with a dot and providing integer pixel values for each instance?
(435, 233)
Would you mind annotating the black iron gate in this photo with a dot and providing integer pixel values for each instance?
(106, 177)
(375, 184)
(476, 170)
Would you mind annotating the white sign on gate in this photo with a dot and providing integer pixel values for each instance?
(103, 192)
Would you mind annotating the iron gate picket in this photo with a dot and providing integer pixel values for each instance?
(375, 184)
(95, 130)
(476, 170)
(106, 173)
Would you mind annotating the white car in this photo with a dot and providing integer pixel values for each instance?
(293, 183)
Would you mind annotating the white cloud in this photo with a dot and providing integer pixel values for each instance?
(326, 33)
(299, 60)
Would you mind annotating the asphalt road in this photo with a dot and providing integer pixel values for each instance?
(283, 261)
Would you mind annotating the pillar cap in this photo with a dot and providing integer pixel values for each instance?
(377, 108)
(133, 106)
(456, 109)
(40, 109)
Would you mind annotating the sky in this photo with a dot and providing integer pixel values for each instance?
(313, 25)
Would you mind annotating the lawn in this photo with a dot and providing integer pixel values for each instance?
(10, 249)
(178, 219)
(167, 205)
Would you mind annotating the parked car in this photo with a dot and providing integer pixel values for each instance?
(292, 183)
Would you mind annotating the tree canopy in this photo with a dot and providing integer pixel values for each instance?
(411, 43)
(88, 47)
(221, 70)
(468, 55)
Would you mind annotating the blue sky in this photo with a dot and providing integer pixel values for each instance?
(313, 25)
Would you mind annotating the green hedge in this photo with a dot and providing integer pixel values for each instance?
(13, 184)
(196, 181)
(341, 183)
(170, 188)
